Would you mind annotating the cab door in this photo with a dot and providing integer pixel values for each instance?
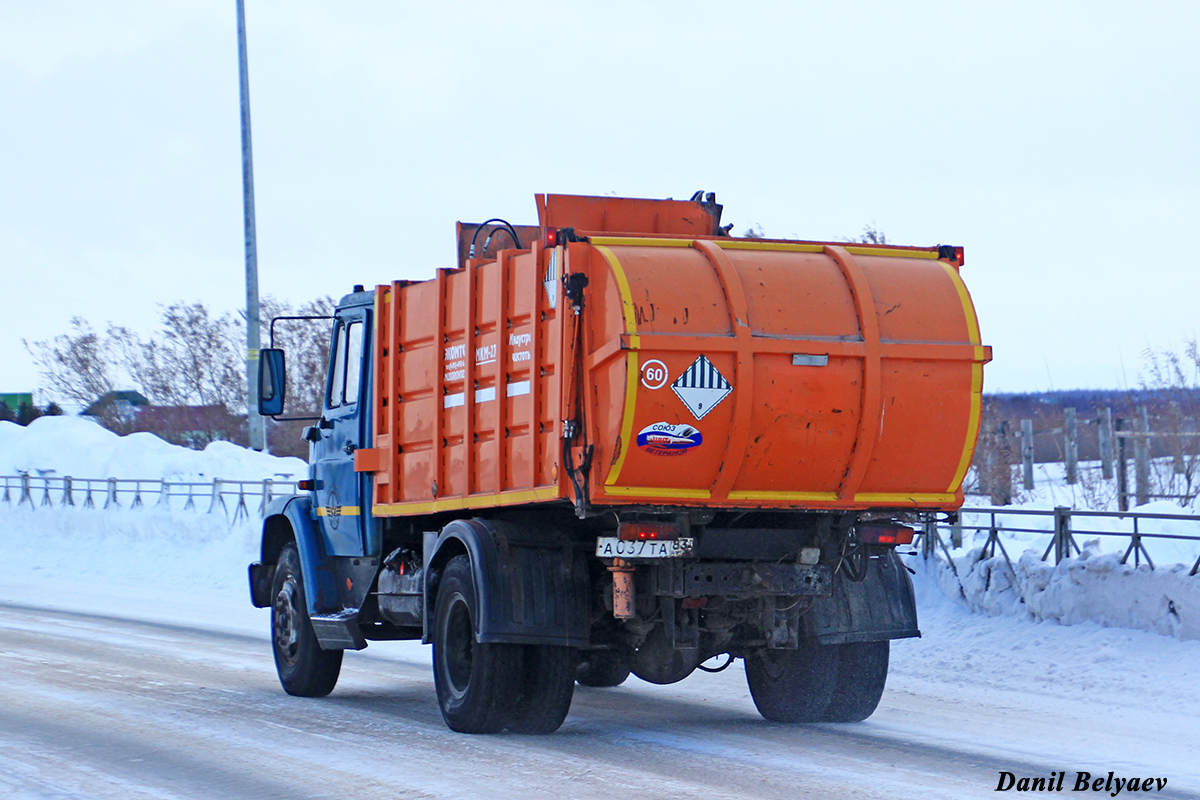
(340, 491)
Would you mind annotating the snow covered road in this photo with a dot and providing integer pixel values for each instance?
(98, 706)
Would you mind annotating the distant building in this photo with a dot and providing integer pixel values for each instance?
(15, 400)
(128, 412)
(190, 426)
(117, 407)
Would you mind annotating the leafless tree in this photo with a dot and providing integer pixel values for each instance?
(78, 366)
(872, 235)
(195, 360)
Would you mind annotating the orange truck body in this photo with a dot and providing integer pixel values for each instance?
(693, 369)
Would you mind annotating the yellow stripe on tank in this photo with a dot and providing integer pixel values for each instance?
(976, 400)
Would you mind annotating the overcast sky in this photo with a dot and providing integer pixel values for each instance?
(1057, 142)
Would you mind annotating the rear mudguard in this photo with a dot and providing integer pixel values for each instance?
(531, 584)
(879, 607)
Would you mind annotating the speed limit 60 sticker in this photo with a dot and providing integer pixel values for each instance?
(655, 374)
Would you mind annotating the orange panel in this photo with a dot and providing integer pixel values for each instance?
(796, 377)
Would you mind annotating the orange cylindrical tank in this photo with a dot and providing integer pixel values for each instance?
(778, 374)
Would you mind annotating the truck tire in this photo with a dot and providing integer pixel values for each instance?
(793, 685)
(305, 670)
(548, 684)
(861, 674)
(601, 669)
(476, 682)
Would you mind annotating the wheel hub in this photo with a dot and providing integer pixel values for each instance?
(459, 639)
(287, 634)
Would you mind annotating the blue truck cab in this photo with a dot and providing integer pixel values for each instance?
(329, 523)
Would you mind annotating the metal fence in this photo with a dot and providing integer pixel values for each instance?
(108, 493)
(1063, 532)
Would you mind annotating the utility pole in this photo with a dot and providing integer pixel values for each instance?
(258, 439)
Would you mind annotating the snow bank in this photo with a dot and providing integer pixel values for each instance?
(80, 448)
(153, 562)
(1091, 587)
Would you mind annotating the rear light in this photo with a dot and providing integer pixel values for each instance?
(952, 253)
(304, 486)
(551, 237)
(885, 534)
(642, 531)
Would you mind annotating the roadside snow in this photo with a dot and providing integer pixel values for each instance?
(74, 446)
(151, 563)
(1092, 586)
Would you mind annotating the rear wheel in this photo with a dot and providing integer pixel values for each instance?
(304, 668)
(476, 682)
(861, 675)
(548, 684)
(793, 685)
(601, 669)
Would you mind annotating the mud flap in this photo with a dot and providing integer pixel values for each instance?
(532, 584)
(879, 607)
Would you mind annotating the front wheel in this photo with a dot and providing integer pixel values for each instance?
(793, 685)
(305, 670)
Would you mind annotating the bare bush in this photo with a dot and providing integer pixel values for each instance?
(78, 366)
(872, 235)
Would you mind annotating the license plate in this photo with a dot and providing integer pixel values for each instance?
(612, 547)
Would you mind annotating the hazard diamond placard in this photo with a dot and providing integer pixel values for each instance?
(701, 387)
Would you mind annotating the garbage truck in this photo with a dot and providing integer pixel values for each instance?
(623, 441)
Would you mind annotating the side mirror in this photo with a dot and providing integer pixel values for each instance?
(272, 381)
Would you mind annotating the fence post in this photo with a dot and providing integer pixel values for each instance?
(1027, 452)
(1179, 468)
(1119, 427)
(1062, 533)
(267, 486)
(46, 501)
(111, 498)
(240, 511)
(1141, 455)
(164, 495)
(1071, 434)
(67, 499)
(25, 495)
(1106, 445)
(927, 539)
(217, 498)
